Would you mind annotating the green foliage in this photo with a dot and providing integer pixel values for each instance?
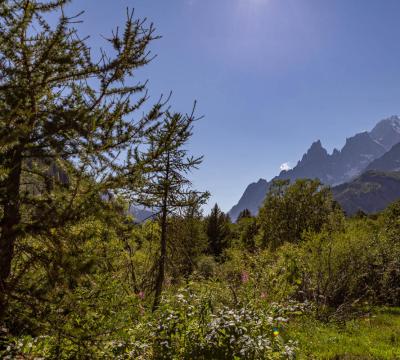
(218, 231)
(68, 124)
(248, 230)
(76, 296)
(244, 214)
(167, 186)
(78, 275)
(188, 243)
(186, 325)
(261, 277)
(289, 210)
(340, 270)
(189, 327)
(390, 222)
(206, 266)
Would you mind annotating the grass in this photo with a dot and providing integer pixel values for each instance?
(374, 337)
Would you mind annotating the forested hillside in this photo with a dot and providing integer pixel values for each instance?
(369, 193)
(82, 278)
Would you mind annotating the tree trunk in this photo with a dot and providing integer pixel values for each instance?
(163, 240)
(9, 222)
(163, 257)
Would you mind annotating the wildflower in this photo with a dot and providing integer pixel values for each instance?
(245, 276)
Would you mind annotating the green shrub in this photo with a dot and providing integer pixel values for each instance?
(349, 267)
(206, 266)
(188, 325)
(190, 328)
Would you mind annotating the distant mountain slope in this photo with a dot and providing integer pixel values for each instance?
(333, 169)
(141, 214)
(355, 156)
(371, 192)
(251, 199)
(390, 161)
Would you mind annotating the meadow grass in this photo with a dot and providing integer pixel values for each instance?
(373, 337)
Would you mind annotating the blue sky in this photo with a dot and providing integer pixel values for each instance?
(270, 76)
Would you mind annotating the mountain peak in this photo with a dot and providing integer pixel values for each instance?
(387, 132)
(261, 181)
(316, 145)
(315, 153)
(392, 120)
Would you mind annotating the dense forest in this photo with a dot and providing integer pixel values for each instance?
(81, 278)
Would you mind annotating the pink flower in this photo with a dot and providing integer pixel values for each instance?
(245, 276)
(141, 295)
(263, 295)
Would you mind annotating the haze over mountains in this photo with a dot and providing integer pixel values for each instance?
(378, 149)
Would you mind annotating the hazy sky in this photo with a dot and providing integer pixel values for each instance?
(270, 76)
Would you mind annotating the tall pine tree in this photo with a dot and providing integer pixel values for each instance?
(218, 231)
(61, 107)
(168, 188)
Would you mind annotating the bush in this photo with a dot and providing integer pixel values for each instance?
(358, 265)
(189, 328)
(290, 210)
(259, 277)
(206, 266)
(188, 325)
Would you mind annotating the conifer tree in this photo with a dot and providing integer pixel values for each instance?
(218, 231)
(167, 187)
(62, 107)
(188, 240)
(244, 214)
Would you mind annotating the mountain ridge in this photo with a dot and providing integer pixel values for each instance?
(337, 168)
